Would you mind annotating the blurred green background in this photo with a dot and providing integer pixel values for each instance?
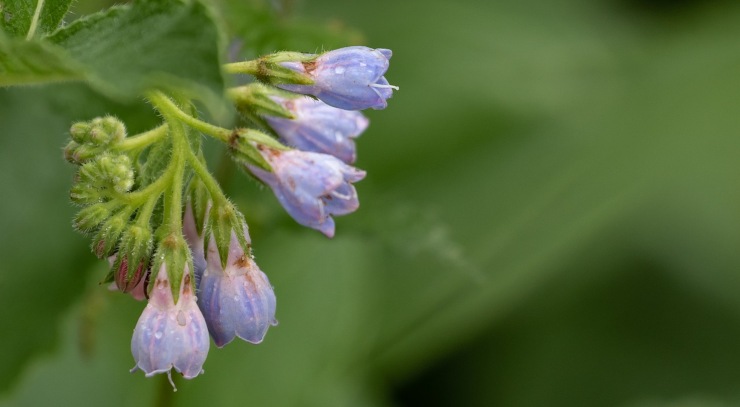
(551, 217)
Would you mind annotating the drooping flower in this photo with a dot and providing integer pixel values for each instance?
(311, 186)
(237, 300)
(170, 335)
(319, 128)
(348, 78)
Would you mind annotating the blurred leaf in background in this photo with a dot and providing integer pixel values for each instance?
(551, 217)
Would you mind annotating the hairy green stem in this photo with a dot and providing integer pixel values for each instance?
(139, 197)
(180, 148)
(167, 107)
(245, 67)
(142, 140)
(217, 195)
(145, 213)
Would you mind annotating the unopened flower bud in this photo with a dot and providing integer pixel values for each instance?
(78, 154)
(84, 194)
(117, 171)
(91, 217)
(106, 171)
(139, 292)
(106, 240)
(80, 132)
(134, 253)
(98, 132)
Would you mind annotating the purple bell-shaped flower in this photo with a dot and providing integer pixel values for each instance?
(348, 78)
(311, 186)
(237, 300)
(319, 128)
(170, 335)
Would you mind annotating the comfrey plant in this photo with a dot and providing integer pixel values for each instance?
(168, 230)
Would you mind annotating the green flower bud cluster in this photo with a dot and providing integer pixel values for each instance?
(91, 138)
(117, 218)
(103, 177)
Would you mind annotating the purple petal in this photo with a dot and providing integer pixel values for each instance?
(237, 301)
(307, 185)
(343, 78)
(170, 335)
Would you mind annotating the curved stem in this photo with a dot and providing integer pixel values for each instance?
(217, 195)
(137, 198)
(167, 107)
(145, 213)
(142, 140)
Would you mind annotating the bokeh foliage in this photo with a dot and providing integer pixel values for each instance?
(551, 217)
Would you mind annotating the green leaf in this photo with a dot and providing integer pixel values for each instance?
(52, 14)
(263, 28)
(16, 16)
(127, 50)
(26, 62)
(159, 43)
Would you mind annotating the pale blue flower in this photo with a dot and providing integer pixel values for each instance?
(319, 127)
(170, 335)
(348, 78)
(311, 186)
(236, 300)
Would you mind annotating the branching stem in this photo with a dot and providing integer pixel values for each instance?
(209, 181)
(142, 140)
(168, 108)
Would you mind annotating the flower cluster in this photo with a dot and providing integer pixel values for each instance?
(313, 181)
(177, 240)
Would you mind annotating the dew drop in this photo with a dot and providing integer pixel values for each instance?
(339, 70)
(158, 335)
